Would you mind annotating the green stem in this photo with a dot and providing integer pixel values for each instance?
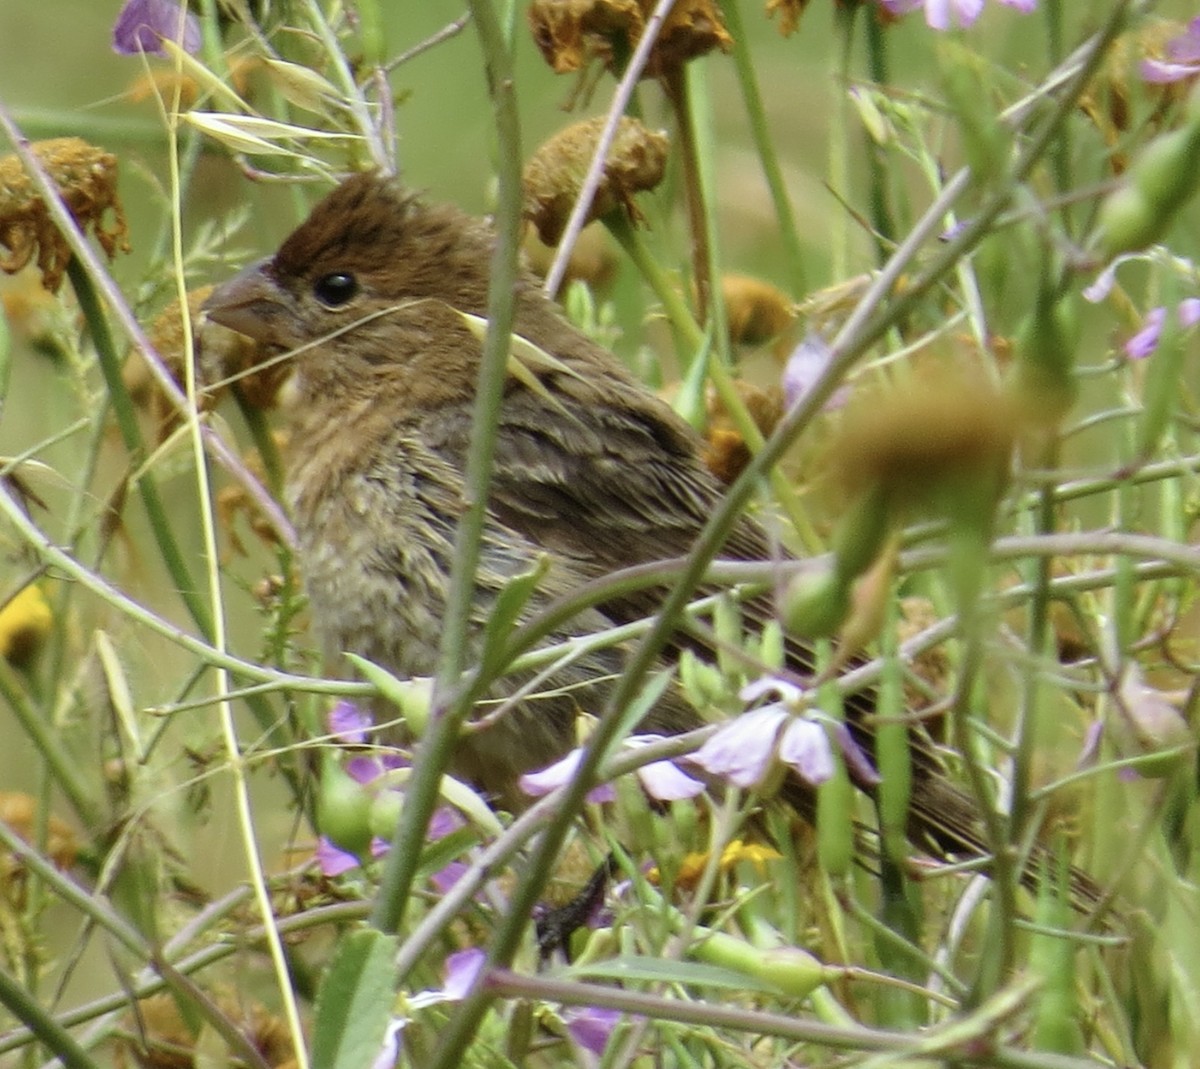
(882, 222)
(436, 748)
(33, 1015)
(131, 434)
(788, 232)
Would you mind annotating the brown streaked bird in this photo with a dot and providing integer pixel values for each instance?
(599, 476)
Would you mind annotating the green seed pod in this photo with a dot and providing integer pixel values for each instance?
(892, 755)
(792, 970)
(815, 604)
(1052, 959)
(343, 808)
(385, 813)
(835, 797)
(1046, 346)
(860, 534)
(1155, 187)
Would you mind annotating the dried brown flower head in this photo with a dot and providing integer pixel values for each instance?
(789, 12)
(570, 33)
(220, 354)
(636, 161)
(755, 310)
(87, 178)
(726, 453)
(19, 811)
(912, 442)
(161, 1039)
(1108, 100)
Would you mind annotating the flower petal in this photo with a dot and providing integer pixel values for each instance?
(741, 750)
(590, 1026)
(462, 968)
(1145, 341)
(1159, 72)
(664, 781)
(348, 724)
(805, 747)
(550, 778)
(857, 761)
(142, 24)
(760, 688)
(332, 860)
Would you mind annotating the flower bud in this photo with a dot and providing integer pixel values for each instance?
(343, 808)
(792, 970)
(1157, 185)
(1148, 724)
(815, 604)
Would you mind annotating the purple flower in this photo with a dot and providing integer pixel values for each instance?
(805, 365)
(1146, 340)
(659, 779)
(590, 1026)
(462, 969)
(142, 25)
(941, 14)
(550, 778)
(1181, 58)
(348, 724)
(334, 861)
(460, 972)
(744, 750)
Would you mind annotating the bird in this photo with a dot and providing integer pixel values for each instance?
(593, 473)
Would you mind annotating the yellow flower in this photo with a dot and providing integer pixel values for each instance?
(24, 624)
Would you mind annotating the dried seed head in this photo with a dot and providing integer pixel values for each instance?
(1108, 100)
(725, 452)
(20, 812)
(756, 311)
(161, 1039)
(570, 33)
(789, 14)
(87, 178)
(914, 441)
(220, 353)
(636, 161)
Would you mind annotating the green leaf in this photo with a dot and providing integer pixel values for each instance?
(506, 612)
(356, 1002)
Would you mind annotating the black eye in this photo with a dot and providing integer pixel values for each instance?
(336, 289)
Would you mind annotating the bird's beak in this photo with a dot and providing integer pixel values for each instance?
(251, 303)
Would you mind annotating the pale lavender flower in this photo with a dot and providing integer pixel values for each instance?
(591, 1026)
(142, 25)
(462, 969)
(1146, 340)
(805, 364)
(659, 779)
(550, 778)
(942, 14)
(1181, 58)
(348, 724)
(743, 750)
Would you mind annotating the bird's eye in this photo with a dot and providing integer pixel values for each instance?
(336, 289)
